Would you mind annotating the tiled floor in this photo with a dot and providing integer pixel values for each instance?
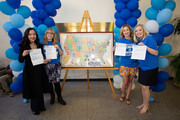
(96, 103)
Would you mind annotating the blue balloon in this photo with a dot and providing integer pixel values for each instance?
(16, 47)
(166, 30)
(20, 77)
(49, 8)
(16, 65)
(24, 11)
(41, 14)
(37, 22)
(36, 28)
(120, 6)
(117, 15)
(151, 99)
(158, 37)
(15, 34)
(11, 54)
(56, 3)
(163, 62)
(133, 5)
(6, 9)
(125, 13)
(132, 21)
(116, 59)
(49, 22)
(162, 76)
(55, 29)
(16, 87)
(119, 59)
(125, 0)
(116, 1)
(159, 87)
(116, 71)
(117, 65)
(170, 4)
(42, 29)
(116, 30)
(12, 42)
(33, 14)
(151, 13)
(14, 3)
(40, 36)
(120, 22)
(7, 26)
(17, 20)
(45, 1)
(164, 49)
(136, 13)
(116, 36)
(158, 4)
(164, 16)
(38, 4)
(53, 13)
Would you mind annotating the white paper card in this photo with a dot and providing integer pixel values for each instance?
(36, 56)
(120, 49)
(50, 52)
(139, 52)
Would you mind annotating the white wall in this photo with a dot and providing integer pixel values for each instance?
(72, 11)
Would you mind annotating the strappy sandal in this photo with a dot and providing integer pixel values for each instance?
(128, 101)
(121, 99)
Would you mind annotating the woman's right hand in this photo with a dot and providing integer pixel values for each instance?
(25, 52)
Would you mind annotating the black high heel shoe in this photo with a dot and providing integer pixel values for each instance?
(35, 113)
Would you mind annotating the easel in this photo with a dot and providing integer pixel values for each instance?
(86, 16)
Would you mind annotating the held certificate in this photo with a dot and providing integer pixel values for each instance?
(36, 56)
(120, 49)
(139, 52)
(50, 52)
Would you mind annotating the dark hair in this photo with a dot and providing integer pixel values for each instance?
(26, 41)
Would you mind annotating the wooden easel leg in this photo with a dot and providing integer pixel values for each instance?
(64, 80)
(88, 79)
(111, 85)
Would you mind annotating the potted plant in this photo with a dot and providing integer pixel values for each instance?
(175, 59)
(175, 64)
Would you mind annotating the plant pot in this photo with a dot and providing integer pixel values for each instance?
(177, 78)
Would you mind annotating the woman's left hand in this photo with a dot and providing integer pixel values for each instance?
(141, 44)
(46, 61)
(56, 46)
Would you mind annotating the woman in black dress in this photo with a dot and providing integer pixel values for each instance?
(34, 77)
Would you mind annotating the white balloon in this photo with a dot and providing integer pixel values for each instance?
(117, 79)
(133, 86)
(152, 26)
(117, 86)
(23, 28)
(16, 73)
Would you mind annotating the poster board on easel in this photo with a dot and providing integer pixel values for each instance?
(77, 42)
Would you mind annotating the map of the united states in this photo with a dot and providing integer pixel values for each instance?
(84, 51)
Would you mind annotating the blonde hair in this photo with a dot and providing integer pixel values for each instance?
(131, 32)
(136, 39)
(45, 39)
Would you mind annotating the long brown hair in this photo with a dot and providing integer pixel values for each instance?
(131, 32)
(45, 39)
(136, 39)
